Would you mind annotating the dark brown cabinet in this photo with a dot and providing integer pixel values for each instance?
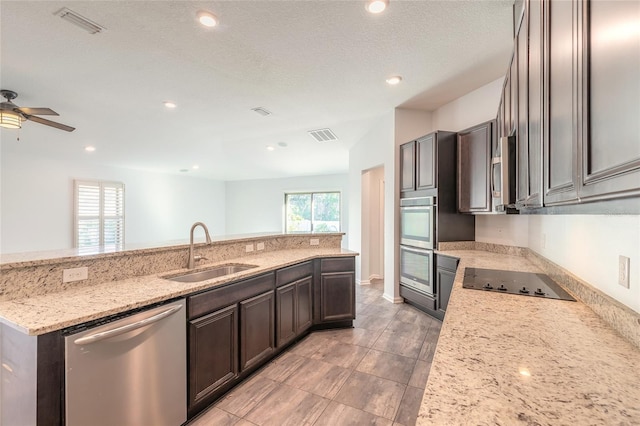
(426, 162)
(213, 353)
(257, 326)
(528, 54)
(407, 167)
(474, 155)
(419, 161)
(610, 93)
(336, 298)
(560, 132)
(293, 307)
(445, 276)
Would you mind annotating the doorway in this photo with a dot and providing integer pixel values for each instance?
(372, 222)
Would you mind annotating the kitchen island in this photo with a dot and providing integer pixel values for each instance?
(508, 359)
(282, 287)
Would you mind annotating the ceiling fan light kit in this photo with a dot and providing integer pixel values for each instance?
(12, 116)
(10, 120)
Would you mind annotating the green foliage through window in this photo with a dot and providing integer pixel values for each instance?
(312, 212)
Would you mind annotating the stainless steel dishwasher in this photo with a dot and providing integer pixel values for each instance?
(129, 371)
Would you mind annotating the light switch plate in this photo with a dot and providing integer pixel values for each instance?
(248, 248)
(314, 241)
(75, 274)
(260, 246)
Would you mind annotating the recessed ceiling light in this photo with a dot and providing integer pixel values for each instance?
(207, 19)
(195, 167)
(169, 104)
(270, 148)
(89, 148)
(376, 6)
(394, 80)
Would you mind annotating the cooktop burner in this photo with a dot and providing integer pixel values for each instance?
(512, 282)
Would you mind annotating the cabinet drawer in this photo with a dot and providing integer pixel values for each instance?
(446, 262)
(293, 273)
(211, 300)
(338, 264)
(423, 300)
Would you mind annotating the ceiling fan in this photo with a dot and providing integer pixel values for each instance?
(12, 116)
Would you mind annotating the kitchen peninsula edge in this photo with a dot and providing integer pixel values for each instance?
(506, 359)
(34, 301)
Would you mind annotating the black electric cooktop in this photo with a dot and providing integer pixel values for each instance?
(512, 282)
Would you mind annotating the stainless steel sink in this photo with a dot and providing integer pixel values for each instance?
(207, 274)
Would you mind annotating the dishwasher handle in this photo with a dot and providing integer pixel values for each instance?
(126, 328)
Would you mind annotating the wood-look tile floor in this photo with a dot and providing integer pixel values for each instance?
(374, 373)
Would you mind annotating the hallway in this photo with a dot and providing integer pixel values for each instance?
(374, 373)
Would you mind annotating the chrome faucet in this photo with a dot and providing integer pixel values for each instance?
(192, 258)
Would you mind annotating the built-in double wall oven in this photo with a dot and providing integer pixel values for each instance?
(417, 241)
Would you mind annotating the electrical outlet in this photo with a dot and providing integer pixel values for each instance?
(314, 241)
(623, 271)
(260, 246)
(75, 274)
(248, 248)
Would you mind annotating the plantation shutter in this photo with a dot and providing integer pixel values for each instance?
(99, 214)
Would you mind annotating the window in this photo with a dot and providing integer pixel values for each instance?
(312, 212)
(98, 214)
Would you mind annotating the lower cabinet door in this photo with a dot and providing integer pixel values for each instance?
(286, 309)
(444, 283)
(304, 311)
(257, 325)
(337, 297)
(213, 352)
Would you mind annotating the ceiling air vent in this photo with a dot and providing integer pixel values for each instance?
(323, 135)
(79, 20)
(262, 111)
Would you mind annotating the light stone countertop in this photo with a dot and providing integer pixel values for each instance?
(504, 359)
(54, 311)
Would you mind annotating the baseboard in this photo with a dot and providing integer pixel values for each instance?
(363, 282)
(388, 298)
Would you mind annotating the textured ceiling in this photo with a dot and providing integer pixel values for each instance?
(314, 64)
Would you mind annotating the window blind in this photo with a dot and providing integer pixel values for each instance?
(99, 214)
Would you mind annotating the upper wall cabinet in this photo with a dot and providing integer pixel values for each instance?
(610, 160)
(474, 153)
(419, 163)
(528, 56)
(562, 56)
(572, 97)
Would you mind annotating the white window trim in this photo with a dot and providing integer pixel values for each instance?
(101, 216)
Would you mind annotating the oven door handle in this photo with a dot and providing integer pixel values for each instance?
(416, 250)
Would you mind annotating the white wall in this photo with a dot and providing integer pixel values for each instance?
(375, 149)
(473, 108)
(258, 205)
(588, 246)
(372, 225)
(36, 208)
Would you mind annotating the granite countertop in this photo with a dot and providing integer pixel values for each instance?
(508, 359)
(41, 314)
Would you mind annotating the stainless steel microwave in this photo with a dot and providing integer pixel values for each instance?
(503, 174)
(418, 222)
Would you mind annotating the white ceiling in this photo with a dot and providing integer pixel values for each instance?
(314, 64)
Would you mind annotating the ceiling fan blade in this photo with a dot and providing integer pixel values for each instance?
(50, 123)
(36, 111)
